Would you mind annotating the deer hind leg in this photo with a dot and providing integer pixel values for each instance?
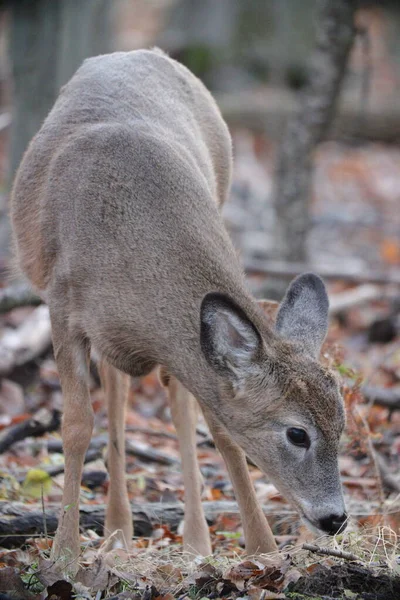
(257, 532)
(119, 513)
(184, 411)
(72, 357)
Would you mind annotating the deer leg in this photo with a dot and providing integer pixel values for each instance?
(184, 411)
(72, 357)
(119, 514)
(257, 533)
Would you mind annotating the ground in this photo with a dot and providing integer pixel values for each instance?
(354, 223)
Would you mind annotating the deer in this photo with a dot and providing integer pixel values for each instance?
(116, 215)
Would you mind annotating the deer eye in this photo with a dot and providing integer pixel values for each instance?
(298, 437)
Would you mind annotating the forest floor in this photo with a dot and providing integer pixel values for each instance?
(355, 221)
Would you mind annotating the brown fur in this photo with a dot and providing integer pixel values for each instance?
(115, 210)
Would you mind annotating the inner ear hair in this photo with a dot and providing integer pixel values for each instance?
(229, 339)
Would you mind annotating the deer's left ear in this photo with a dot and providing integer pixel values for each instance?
(229, 340)
(303, 313)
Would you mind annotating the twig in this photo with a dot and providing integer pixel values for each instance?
(329, 552)
(44, 515)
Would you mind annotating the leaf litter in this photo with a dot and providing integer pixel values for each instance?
(31, 470)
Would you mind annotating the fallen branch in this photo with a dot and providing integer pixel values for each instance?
(270, 110)
(149, 454)
(17, 295)
(360, 295)
(287, 270)
(132, 448)
(151, 432)
(42, 422)
(329, 552)
(90, 456)
(387, 397)
(19, 521)
(30, 340)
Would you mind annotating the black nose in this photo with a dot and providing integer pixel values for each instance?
(333, 524)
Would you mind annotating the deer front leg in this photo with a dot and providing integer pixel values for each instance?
(257, 533)
(119, 515)
(184, 411)
(72, 357)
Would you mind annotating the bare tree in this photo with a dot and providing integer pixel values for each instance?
(335, 33)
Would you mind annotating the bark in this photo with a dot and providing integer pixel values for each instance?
(19, 521)
(335, 34)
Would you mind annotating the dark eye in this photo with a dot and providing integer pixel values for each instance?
(298, 437)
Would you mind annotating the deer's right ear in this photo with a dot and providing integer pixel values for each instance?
(303, 313)
(229, 340)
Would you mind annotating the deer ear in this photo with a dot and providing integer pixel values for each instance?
(303, 313)
(229, 340)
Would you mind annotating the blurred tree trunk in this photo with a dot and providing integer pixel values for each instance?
(233, 44)
(49, 39)
(335, 32)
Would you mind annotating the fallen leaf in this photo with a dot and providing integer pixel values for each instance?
(97, 576)
(37, 483)
(239, 574)
(11, 583)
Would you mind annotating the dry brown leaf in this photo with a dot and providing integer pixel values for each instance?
(12, 584)
(49, 572)
(239, 574)
(98, 576)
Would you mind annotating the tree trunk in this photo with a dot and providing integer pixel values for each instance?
(334, 38)
(49, 39)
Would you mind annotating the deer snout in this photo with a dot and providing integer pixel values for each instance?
(333, 523)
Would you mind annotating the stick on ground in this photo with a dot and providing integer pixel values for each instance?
(329, 552)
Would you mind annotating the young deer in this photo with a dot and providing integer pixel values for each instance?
(116, 215)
